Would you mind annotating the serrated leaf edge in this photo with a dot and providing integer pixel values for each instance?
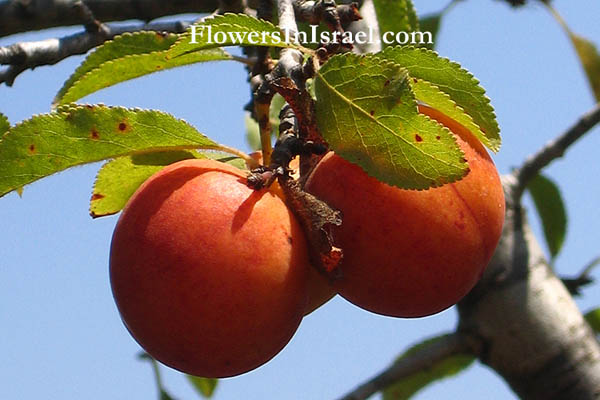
(66, 88)
(487, 101)
(213, 18)
(64, 109)
(485, 140)
(116, 60)
(434, 184)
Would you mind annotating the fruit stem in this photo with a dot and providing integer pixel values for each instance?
(264, 124)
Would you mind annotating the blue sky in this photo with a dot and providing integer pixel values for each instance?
(62, 336)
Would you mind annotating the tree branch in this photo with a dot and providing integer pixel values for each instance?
(527, 325)
(421, 359)
(18, 16)
(314, 12)
(553, 150)
(26, 55)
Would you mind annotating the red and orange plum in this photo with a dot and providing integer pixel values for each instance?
(209, 276)
(413, 253)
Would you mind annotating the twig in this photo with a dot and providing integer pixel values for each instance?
(591, 265)
(553, 150)
(420, 360)
(90, 23)
(29, 55)
(234, 6)
(574, 285)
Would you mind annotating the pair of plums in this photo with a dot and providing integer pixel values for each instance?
(212, 278)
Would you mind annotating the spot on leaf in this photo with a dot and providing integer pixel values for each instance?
(437, 138)
(94, 135)
(31, 149)
(386, 83)
(418, 138)
(97, 196)
(123, 126)
(372, 112)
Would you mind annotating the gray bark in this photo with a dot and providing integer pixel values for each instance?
(23, 15)
(524, 324)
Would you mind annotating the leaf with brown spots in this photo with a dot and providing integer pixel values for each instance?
(428, 93)
(456, 82)
(75, 135)
(368, 114)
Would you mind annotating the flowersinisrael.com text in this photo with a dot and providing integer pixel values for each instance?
(312, 37)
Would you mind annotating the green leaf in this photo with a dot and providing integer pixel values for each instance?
(593, 318)
(453, 80)
(368, 115)
(4, 125)
(586, 50)
(162, 392)
(121, 46)
(76, 134)
(127, 57)
(446, 368)
(229, 30)
(590, 59)
(395, 16)
(551, 209)
(430, 94)
(118, 179)
(431, 23)
(204, 386)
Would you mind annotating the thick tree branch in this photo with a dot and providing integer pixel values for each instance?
(26, 55)
(420, 360)
(18, 16)
(553, 150)
(529, 329)
(23, 15)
